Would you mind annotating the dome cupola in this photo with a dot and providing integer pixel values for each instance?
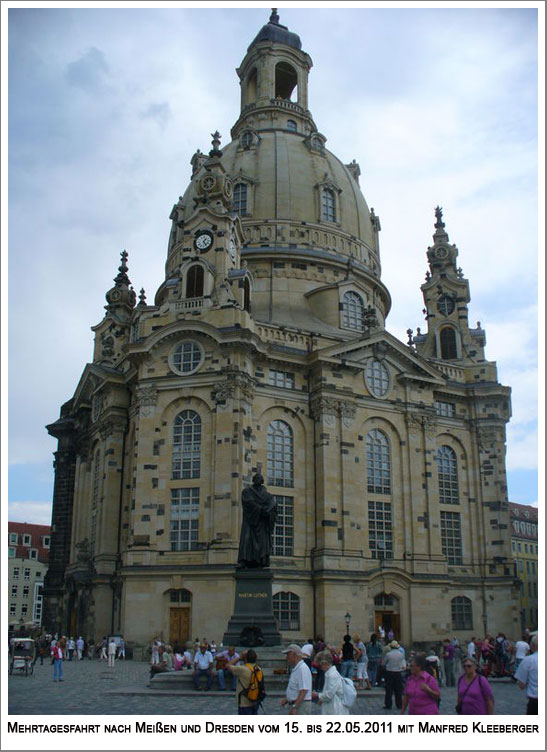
(273, 31)
(300, 208)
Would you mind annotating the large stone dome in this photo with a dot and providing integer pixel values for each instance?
(299, 205)
(284, 176)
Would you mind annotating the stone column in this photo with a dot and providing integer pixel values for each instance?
(233, 456)
(327, 474)
(54, 616)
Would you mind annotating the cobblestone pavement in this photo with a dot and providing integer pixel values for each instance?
(91, 688)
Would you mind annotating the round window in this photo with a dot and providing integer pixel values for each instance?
(377, 378)
(187, 357)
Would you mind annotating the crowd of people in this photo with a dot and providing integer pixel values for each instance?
(412, 682)
(60, 648)
(319, 669)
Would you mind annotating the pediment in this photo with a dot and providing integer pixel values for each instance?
(93, 377)
(382, 345)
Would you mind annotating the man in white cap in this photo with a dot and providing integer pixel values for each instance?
(298, 692)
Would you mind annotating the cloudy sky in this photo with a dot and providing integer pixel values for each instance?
(107, 106)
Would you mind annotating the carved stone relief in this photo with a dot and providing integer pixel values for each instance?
(146, 398)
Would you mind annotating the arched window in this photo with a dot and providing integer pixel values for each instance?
(285, 81)
(449, 349)
(329, 206)
(194, 281)
(286, 609)
(353, 311)
(251, 87)
(447, 470)
(291, 125)
(383, 599)
(247, 295)
(239, 203)
(180, 596)
(246, 139)
(378, 463)
(186, 445)
(280, 459)
(462, 613)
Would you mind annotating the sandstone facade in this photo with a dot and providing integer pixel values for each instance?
(265, 349)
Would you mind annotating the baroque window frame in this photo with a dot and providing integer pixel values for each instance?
(190, 451)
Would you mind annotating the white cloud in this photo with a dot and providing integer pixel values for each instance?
(36, 512)
(523, 444)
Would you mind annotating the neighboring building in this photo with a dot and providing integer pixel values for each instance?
(265, 349)
(28, 551)
(524, 544)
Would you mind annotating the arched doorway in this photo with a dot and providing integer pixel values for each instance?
(179, 616)
(386, 614)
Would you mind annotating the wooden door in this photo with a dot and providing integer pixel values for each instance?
(388, 620)
(179, 625)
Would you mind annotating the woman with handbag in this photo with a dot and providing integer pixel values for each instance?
(474, 694)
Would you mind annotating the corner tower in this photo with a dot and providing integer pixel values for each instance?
(446, 296)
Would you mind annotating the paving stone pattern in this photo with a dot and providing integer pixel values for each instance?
(91, 688)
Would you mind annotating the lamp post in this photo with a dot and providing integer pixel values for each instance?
(348, 619)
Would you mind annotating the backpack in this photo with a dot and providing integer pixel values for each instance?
(349, 692)
(256, 691)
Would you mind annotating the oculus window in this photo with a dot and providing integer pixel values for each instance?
(377, 378)
(187, 357)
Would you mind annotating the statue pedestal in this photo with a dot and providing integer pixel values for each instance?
(252, 623)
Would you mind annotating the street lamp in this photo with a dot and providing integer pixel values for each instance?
(348, 619)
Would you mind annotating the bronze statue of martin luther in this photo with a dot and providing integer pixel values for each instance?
(259, 516)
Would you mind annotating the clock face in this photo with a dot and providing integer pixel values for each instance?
(232, 249)
(441, 253)
(446, 305)
(203, 241)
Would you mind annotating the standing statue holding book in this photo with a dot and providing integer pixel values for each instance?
(259, 516)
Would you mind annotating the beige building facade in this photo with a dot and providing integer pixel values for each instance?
(266, 349)
(28, 554)
(524, 544)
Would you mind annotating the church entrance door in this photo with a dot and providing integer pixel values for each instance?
(179, 625)
(388, 620)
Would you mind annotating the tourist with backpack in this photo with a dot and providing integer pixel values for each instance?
(250, 691)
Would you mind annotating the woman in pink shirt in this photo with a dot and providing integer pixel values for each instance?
(474, 694)
(421, 689)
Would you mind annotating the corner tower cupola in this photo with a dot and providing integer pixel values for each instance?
(112, 334)
(446, 297)
(121, 298)
(441, 255)
(274, 81)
